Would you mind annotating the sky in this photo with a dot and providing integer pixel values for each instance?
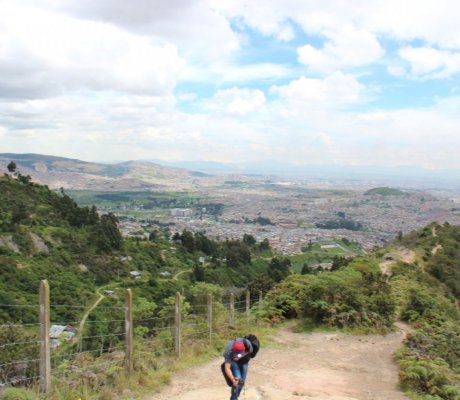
(338, 82)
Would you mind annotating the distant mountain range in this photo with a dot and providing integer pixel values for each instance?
(399, 176)
(57, 172)
(60, 172)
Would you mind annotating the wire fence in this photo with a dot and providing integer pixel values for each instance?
(34, 354)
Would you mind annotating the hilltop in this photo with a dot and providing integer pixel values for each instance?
(384, 191)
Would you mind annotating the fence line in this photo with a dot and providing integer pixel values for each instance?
(162, 340)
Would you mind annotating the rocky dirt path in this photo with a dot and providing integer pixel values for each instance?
(320, 366)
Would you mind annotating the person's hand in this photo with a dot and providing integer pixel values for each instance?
(235, 381)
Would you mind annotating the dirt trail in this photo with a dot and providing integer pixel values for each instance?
(76, 338)
(320, 366)
(405, 255)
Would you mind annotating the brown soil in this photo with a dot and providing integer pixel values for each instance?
(321, 366)
(405, 255)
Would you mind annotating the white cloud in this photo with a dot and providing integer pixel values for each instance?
(286, 33)
(396, 70)
(429, 62)
(347, 47)
(352, 29)
(335, 91)
(80, 76)
(435, 21)
(237, 101)
(202, 33)
(224, 73)
(44, 53)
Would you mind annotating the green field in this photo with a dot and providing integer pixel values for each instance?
(316, 254)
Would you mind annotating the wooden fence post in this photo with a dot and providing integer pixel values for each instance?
(178, 324)
(210, 317)
(232, 309)
(248, 303)
(129, 330)
(45, 353)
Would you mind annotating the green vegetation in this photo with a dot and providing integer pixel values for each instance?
(384, 191)
(340, 224)
(337, 253)
(424, 294)
(428, 298)
(147, 205)
(46, 235)
(354, 296)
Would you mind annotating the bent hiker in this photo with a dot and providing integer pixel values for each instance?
(237, 354)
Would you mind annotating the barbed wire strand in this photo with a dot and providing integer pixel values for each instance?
(16, 325)
(19, 343)
(21, 380)
(152, 319)
(85, 307)
(20, 305)
(101, 336)
(19, 362)
(88, 322)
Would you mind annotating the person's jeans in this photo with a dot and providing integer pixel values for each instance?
(240, 371)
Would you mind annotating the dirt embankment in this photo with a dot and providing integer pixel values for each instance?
(320, 366)
(405, 255)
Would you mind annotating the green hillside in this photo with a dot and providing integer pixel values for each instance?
(384, 191)
(46, 235)
(419, 285)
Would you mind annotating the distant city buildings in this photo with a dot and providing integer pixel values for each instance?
(294, 217)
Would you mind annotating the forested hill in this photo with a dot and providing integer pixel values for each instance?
(46, 235)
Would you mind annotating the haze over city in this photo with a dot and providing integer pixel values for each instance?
(337, 83)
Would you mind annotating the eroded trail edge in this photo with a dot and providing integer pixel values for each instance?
(321, 366)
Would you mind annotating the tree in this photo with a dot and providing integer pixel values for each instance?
(237, 254)
(19, 213)
(306, 269)
(188, 241)
(249, 240)
(105, 235)
(200, 291)
(198, 274)
(339, 262)
(279, 269)
(261, 283)
(11, 167)
(264, 245)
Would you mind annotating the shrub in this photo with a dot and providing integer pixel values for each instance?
(18, 394)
